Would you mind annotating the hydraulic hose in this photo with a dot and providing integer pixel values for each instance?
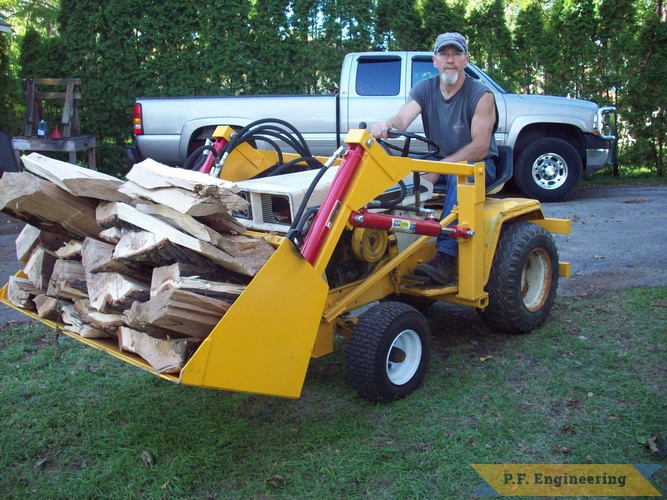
(194, 160)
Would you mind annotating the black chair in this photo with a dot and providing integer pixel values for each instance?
(8, 161)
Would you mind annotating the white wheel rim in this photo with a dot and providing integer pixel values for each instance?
(550, 171)
(403, 357)
(536, 280)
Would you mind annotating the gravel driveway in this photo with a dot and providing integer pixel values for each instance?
(618, 240)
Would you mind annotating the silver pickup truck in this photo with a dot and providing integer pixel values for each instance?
(554, 140)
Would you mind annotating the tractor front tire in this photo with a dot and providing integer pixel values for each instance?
(388, 352)
(523, 280)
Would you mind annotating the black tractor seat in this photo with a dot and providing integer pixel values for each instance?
(7, 159)
(504, 171)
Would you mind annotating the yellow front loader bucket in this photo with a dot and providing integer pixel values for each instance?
(263, 343)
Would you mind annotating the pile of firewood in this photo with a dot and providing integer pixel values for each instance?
(154, 261)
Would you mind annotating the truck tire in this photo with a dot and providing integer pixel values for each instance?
(548, 170)
(523, 280)
(388, 352)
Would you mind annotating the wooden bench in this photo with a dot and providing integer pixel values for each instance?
(71, 140)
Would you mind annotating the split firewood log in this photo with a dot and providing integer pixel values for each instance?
(196, 280)
(21, 292)
(187, 191)
(106, 322)
(164, 354)
(70, 251)
(97, 257)
(75, 324)
(42, 204)
(76, 180)
(110, 214)
(47, 307)
(68, 280)
(178, 310)
(39, 267)
(112, 234)
(31, 237)
(252, 251)
(114, 293)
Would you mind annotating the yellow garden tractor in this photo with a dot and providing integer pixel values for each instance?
(349, 235)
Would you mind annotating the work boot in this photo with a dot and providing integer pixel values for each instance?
(440, 270)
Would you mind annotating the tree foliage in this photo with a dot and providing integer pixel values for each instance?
(610, 51)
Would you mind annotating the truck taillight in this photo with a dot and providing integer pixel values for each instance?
(137, 122)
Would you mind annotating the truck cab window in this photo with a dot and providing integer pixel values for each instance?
(378, 76)
(422, 68)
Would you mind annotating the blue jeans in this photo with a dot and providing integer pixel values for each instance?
(444, 243)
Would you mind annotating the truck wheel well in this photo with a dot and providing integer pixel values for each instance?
(199, 136)
(536, 131)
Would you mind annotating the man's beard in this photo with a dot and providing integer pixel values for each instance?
(449, 77)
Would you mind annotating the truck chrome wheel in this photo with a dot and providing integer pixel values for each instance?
(523, 280)
(548, 169)
(388, 352)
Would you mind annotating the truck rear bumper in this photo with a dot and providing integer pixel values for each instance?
(161, 148)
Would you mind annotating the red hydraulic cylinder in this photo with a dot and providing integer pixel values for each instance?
(392, 223)
(206, 167)
(332, 203)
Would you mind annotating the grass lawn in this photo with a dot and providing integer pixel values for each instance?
(587, 387)
(626, 177)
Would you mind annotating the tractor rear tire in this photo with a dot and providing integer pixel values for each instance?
(388, 352)
(523, 280)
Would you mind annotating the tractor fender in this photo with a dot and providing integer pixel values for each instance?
(499, 211)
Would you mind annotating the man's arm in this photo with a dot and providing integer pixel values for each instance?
(481, 129)
(400, 121)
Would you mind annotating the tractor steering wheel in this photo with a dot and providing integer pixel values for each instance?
(433, 148)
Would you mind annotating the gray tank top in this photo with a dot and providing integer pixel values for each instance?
(448, 121)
